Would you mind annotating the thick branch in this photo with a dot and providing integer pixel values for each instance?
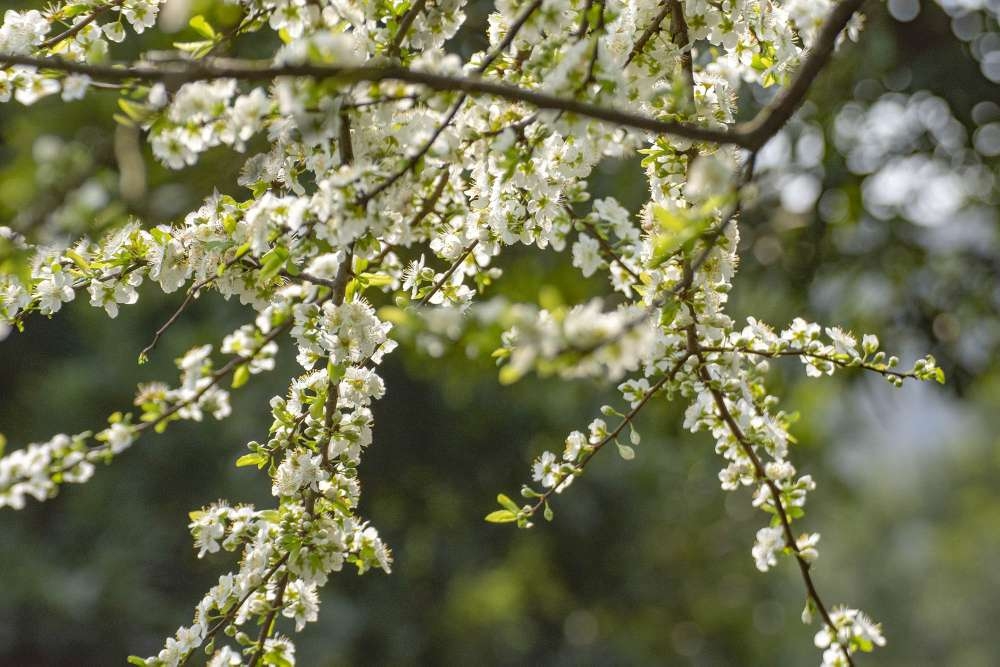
(186, 72)
(750, 135)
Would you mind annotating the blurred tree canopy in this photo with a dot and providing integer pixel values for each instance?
(647, 564)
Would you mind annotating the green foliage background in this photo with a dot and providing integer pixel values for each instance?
(647, 562)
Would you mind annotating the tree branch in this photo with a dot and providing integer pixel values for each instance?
(613, 435)
(73, 30)
(750, 135)
(404, 27)
(186, 72)
(747, 447)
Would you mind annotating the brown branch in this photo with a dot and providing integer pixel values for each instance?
(214, 379)
(415, 159)
(796, 352)
(239, 603)
(511, 35)
(610, 254)
(431, 202)
(404, 26)
(219, 374)
(192, 293)
(412, 162)
(265, 629)
(750, 135)
(247, 71)
(679, 36)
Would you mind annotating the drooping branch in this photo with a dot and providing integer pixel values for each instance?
(759, 472)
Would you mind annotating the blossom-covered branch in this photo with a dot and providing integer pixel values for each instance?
(752, 135)
(374, 157)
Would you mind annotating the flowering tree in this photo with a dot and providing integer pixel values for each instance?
(386, 178)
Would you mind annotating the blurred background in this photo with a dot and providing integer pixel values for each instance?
(878, 211)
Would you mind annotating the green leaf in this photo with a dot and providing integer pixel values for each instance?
(349, 291)
(501, 516)
(508, 503)
(252, 459)
(276, 659)
(669, 311)
(548, 514)
(377, 279)
(271, 263)
(132, 110)
(136, 660)
(78, 260)
(510, 375)
(939, 375)
(202, 26)
(242, 250)
(197, 49)
(123, 120)
(195, 515)
(679, 228)
(241, 376)
(161, 236)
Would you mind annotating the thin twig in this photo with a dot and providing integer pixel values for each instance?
(265, 629)
(73, 30)
(793, 352)
(239, 603)
(191, 294)
(626, 420)
(610, 254)
(651, 29)
(414, 160)
(447, 274)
